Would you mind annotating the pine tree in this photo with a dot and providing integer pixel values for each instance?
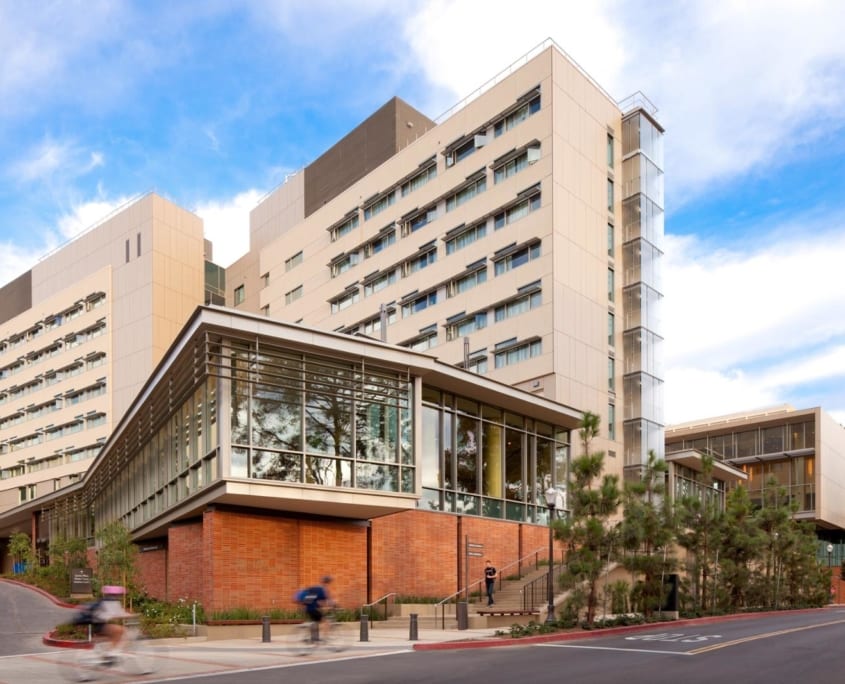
(587, 531)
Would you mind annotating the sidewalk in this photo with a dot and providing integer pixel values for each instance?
(195, 656)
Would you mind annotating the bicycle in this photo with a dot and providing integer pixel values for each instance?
(95, 661)
(303, 638)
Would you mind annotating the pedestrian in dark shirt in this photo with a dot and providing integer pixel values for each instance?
(490, 575)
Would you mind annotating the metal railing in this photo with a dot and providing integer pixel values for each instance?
(469, 590)
(366, 609)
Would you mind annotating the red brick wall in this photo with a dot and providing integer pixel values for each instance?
(421, 553)
(258, 560)
(152, 572)
(185, 568)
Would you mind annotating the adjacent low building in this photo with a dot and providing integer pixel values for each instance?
(802, 449)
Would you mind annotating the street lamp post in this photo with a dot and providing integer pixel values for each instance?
(829, 567)
(551, 500)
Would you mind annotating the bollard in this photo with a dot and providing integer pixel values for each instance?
(265, 629)
(462, 613)
(412, 636)
(365, 627)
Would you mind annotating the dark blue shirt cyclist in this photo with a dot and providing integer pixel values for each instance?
(313, 599)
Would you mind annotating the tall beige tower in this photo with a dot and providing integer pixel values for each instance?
(80, 334)
(518, 236)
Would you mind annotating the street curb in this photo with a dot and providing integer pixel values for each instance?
(39, 590)
(47, 640)
(595, 633)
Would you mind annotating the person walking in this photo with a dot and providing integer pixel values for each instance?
(490, 576)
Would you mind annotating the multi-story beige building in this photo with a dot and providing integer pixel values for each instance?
(518, 236)
(80, 334)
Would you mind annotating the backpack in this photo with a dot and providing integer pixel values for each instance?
(85, 616)
(301, 596)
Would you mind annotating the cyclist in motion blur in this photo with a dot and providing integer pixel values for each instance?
(315, 600)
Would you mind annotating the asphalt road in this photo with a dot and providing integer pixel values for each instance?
(25, 616)
(778, 649)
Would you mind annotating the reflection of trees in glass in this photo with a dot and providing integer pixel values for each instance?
(467, 453)
(448, 456)
(543, 476)
(376, 427)
(377, 476)
(514, 479)
(270, 465)
(330, 472)
(276, 423)
(328, 418)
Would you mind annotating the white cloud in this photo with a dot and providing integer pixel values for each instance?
(227, 225)
(749, 329)
(54, 159)
(738, 84)
(16, 259)
(87, 214)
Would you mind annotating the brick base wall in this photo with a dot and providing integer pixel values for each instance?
(240, 558)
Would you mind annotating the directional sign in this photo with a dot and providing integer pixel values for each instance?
(475, 554)
(471, 545)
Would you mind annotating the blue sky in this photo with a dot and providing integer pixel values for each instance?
(212, 103)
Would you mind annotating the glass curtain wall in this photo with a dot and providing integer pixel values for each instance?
(642, 225)
(481, 460)
(314, 420)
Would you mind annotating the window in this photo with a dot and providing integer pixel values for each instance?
(418, 220)
(611, 328)
(516, 212)
(419, 304)
(465, 237)
(127, 251)
(379, 205)
(477, 363)
(466, 193)
(239, 295)
(516, 353)
(139, 244)
(346, 300)
(611, 284)
(265, 310)
(292, 295)
(611, 374)
(466, 282)
(419, 262)
(609, 150)
(517, 116)
(293, 261)
(420, 179)
(466, 325)
(375, 246)
(459, 152)
(611, 238)
(514, 165)
(609, 195)
(26, 493)
(343, 228)
(518, 305)
(611, 421)
(373, 326)
(265, 279)
(343, 264)
(516, 258)
(422, 342)
(379, 282)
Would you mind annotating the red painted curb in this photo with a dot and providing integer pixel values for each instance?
(594, 633)
(47, 640)
(39, 590)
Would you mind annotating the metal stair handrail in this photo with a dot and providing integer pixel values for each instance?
(440, 606)
(364, 608)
